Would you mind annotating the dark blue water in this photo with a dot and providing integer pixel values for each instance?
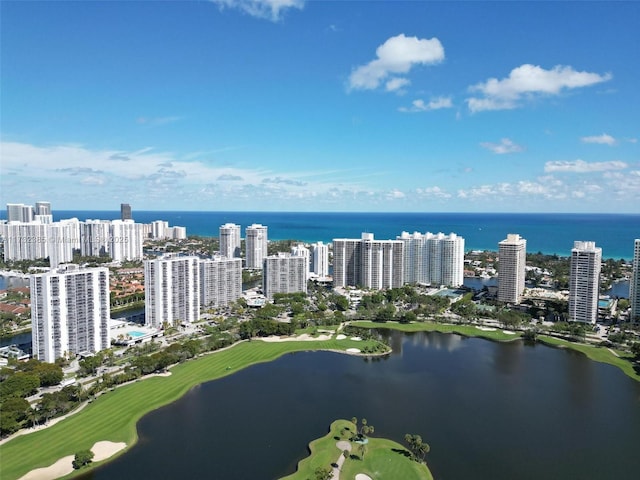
(488, 410)
(548, 233)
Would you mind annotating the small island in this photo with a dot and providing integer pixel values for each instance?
(347, 452)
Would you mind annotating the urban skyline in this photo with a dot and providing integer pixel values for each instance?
(322, 106)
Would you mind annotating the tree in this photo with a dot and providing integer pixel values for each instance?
(322, 473)
(418, 448)
(362, 449)
(82, 458)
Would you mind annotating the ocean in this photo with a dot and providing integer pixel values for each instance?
(549, 233)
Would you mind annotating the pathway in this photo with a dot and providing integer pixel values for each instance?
(342, 446)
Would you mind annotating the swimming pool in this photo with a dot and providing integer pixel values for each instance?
(136, 334)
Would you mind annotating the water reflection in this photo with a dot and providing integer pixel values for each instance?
(508, 410)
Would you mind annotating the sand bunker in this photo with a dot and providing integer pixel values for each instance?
(487, 329)
(305, 337)
(508, 332)
(363, 476)
(104, 449)
(341, 337)
(64, 466)
(353, 350)
(357, 339)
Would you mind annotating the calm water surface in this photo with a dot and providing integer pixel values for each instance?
(489, 411)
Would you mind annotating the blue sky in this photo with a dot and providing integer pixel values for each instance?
(321, 106)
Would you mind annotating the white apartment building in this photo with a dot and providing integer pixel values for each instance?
(319, 260)
(368, 263)
(125, 240)
(159, 229)
(300, 250)
(62, 239)
(512, 259)
(256, 245)
(43, 208)
(24, 241)
(172, 290)
(634, 284)
(94, 238)
(220, 281)
(70, 312)
(19, 212)
(230, 246)
(584, 282)
(284, 273)
(434, 259)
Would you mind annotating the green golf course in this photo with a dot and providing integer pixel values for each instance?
(383, 459)
(114, 414)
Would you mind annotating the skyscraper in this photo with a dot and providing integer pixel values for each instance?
(172, 290)
(43, 208)
(125, 240)
(230, 240)
(19, 212)
(220, 281)
(634, 285)
(284, 273)
(584, 282)
(319, 259)
(512, 258)
(367, 262)
(70, 312)
(125, 211)
(256, 245)
(435, 259)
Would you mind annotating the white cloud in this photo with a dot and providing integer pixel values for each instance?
(434, 191)
(528, 81)
(395, 194)
(505, 146)
(396, 55)
(267, 9)
(580, 166)
(396, 84)
(603, 139)
(93, 181)
(434, 104)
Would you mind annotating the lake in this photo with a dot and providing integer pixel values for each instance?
(488, 410)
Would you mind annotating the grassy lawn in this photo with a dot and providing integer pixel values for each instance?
(380, 460)
(466, 330)
(113, 415)
(599, 354)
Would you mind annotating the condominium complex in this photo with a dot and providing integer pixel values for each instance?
(19, 212)
(584, 282)
(69, 312)
(512, 258)
(125, 240)
(434, 259)
(34, 240)
(300, 250)
(284, 273)
(42, 208)
(256, 245)
(634, 284)
(220, 281)
(367, 262)
(172, 290)
(319, 265)
(230, 240)
(94, 238)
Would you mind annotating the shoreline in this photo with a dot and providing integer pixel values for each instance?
(121, 426)
(592, 352)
